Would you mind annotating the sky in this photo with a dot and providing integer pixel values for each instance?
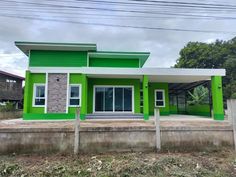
(44, 24)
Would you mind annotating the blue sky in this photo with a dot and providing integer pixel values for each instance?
(163, 45)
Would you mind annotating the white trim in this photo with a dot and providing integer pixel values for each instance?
(117, 53)
(113, 86)
(131, 71)
(80, 93)
(163, 95)
(67, 92)
(46, 94)
(34, 94)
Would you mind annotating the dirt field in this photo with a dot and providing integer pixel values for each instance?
(211, 163)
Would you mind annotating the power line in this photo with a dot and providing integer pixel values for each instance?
(26, 10)
(151, 3)
(123, 10)
(122, 26)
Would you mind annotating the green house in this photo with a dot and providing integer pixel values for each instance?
(62, 77)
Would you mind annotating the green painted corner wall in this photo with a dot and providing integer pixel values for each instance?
(75, 78)
(31, 112)
(152, 87)
(57, 58)
(114, 82)
(111, 62)
(35, 78)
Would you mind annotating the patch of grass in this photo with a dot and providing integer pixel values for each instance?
(220, 163)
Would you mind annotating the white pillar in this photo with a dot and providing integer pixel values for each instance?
(77, 127)
(158, 132)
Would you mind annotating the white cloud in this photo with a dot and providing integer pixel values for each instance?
(163, 45)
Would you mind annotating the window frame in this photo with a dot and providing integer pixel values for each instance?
(34, 95)
(69, 96)
(163, 96)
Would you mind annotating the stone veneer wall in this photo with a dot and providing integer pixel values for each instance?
(57, 93)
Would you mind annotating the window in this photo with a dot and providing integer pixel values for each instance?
(159, 98)
(74, 99)
(10, 84)
(39, 95)
(141, 98)
(9, 80)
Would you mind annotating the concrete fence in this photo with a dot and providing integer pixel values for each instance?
(118, 139)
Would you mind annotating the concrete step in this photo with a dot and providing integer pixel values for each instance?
(114, 116)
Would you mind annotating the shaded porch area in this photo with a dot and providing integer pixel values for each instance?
(191, 98)
(170, 90)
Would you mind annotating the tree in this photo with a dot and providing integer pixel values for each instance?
(219, 54)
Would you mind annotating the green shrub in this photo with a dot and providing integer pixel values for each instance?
(8, 107)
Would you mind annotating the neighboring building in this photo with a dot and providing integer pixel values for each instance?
(64, 76)
(11, 88)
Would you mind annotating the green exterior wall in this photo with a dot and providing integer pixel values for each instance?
(48, 116)
(35, 79)
(84, 103)
(26, 92)
(111, 62)
(173, 109)
(31, 79)
(78, 79)
(57, 58)
(114, 82)
(200, 110)
(217, 97)
(146, 112)
(152, 87)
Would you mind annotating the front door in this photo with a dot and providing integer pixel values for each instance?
(113, 99)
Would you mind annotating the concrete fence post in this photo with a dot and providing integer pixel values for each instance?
(229, 108)
(77, 127)
(231, 105)
(158, 132)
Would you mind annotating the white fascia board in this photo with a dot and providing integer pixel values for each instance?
(130, 71)
(183, 72)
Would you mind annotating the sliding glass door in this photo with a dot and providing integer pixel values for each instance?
(113, 99)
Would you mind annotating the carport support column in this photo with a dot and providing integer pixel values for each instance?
(145, 98)
(83, 110)
(217, 97)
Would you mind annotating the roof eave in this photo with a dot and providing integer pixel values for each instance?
(25, 47)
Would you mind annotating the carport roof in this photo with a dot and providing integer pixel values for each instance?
(168, 75)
